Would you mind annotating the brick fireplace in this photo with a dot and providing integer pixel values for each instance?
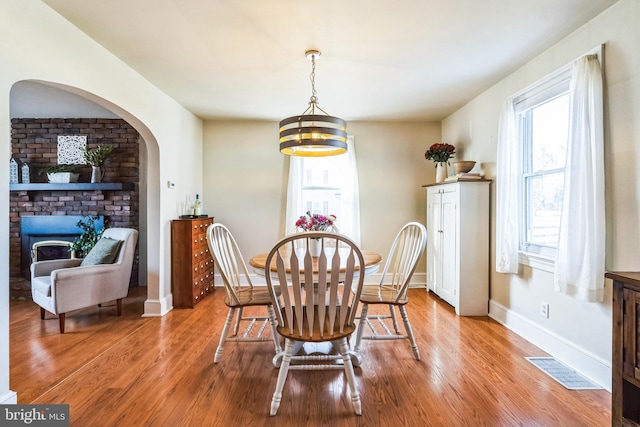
(35, 141)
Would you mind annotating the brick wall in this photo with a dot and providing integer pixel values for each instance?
(35, 141)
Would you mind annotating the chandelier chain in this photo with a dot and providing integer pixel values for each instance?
(314, 97)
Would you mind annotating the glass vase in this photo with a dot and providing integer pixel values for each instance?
(315, 247)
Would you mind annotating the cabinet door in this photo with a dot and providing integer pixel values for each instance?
(631, 334)
(434, 241)
(448, 286)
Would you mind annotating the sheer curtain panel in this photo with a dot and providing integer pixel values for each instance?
(507, 179)
(579, 266)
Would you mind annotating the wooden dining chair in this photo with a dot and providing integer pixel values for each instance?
(392, 289)
(316, 303)
(240, 292)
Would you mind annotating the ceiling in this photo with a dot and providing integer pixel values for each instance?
(381, 59)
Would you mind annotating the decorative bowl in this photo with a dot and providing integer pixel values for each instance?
(463, 166)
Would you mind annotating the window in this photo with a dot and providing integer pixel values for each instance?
(542, 121)
(321, 191)
(325, 185)
(551, 147)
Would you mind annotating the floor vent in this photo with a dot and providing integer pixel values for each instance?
(563, 374)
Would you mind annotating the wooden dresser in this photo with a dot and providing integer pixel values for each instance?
(625, 398)
(191, 262)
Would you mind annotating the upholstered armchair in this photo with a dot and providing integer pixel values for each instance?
(64, 285)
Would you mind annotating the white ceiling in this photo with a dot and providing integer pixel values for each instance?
(381, 59)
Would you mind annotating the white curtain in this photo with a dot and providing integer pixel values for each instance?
(507, 178)
(294, 194)
(579, 266)
(349, 221)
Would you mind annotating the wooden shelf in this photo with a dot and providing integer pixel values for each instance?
(72, 186)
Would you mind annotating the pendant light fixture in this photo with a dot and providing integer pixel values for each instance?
(312, 134)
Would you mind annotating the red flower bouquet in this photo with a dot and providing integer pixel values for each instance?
(440, 153)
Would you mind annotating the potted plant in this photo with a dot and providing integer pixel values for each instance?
(83, 244)
(62, 173)
(96, 159)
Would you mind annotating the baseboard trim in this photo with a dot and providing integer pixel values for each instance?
(593, 367)
(9, 398)
(158, 307)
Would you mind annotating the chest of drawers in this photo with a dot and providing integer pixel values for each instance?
(191, 262)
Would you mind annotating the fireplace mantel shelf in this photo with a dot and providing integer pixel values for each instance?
(72, 186)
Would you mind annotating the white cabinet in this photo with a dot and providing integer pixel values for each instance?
(458, 245)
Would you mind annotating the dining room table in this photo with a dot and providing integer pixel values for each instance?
(372, 262)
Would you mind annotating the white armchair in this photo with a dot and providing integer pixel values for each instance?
(61, 286)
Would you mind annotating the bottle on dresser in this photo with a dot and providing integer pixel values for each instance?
(197, 206)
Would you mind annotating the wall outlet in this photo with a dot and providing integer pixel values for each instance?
(544, 309)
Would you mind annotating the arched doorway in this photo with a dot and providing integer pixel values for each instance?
(69, 99)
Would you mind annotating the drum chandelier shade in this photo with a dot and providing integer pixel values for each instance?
(312, 134)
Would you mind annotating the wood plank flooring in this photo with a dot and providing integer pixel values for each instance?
(134, 371)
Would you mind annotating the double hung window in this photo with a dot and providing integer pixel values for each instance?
(542, 124)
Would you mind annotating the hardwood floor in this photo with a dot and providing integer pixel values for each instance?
(134, 371)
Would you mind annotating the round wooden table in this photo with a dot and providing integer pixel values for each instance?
(372, 262)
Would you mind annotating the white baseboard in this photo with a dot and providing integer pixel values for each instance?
(158, 307)
(577, 358)
(419, 280)
(9, 398)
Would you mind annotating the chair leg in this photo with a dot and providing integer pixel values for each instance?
(61, 321)
(394, 318)
(119, 306)
(274, 331)
(223, 335)
(41, 313)
(407, 326)
(282, 376)
(363, 320)
(236, 328)
(351, 377)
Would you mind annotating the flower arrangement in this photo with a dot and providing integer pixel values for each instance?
(315, 222)
(440, 153)
(98, 155)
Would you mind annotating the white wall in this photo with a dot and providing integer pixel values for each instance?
(577, 332)
(245, 180)
(45, 47)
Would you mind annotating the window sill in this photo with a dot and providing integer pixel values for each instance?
(537, 261)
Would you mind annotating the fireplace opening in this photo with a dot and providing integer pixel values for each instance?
(42, 228)
(52, 249)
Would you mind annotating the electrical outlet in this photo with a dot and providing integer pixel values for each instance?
(544, 309)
